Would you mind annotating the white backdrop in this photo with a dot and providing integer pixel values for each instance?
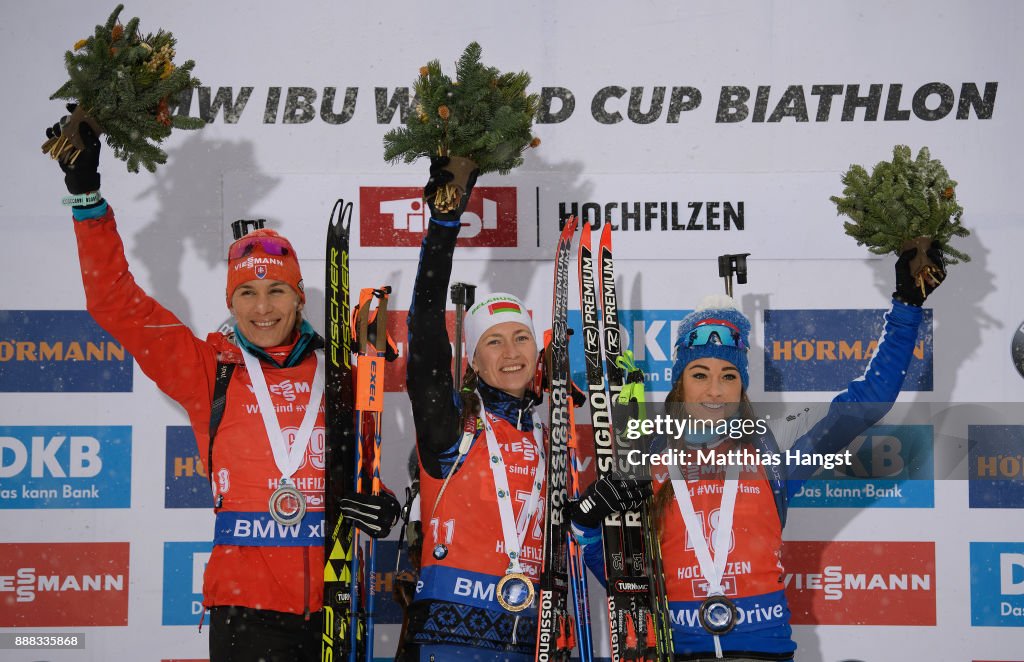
(780, 166)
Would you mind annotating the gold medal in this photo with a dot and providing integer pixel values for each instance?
(515, 591)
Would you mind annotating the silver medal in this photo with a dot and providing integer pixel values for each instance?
(717, 615)
(287, 505)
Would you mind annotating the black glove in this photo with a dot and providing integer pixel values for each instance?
(373, 514)
(439, 176)
(605, 496)
(910, 290)
(82, 176)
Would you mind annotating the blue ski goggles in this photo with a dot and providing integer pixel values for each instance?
(715, 332)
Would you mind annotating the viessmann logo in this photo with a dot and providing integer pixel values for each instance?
(63, 584)
(397, 216)
(860, 583)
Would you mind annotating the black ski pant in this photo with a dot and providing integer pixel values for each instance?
(239, 634)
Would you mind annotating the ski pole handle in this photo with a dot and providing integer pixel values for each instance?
(244, 226)
(728, 265)
(462, 296)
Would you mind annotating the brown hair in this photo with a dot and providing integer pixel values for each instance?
(673, 405)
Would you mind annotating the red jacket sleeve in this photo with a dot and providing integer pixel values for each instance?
(182, 365)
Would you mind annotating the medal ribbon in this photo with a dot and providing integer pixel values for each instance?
(712, 570)
(513, 537)
(287, 460)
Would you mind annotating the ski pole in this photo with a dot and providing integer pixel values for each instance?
(375, 415)
(462, 296)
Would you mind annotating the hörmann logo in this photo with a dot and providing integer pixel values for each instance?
(823, 350)
(996, 466)
(48, 351)
(64, 584)
(860, 583)
(997, 584)
(396, 216)
(186, 482)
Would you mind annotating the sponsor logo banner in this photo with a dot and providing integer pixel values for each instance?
(860, 583)
(186, 482)
(649, 334)
(184, 565)
(823, 350)
(996, 464)
(54, 351)
(997, 584)
(893, 467)
(65, 467)
(64, 584)
(397, 216)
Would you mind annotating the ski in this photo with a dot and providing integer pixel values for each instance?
(577, 565)
(555, 637)
(648, 635)
(340, 442)
(370, 329)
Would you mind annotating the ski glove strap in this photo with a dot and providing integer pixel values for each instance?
(912, 289)
(374, 514)
(82, 176)
(439, 176)
(607, 495)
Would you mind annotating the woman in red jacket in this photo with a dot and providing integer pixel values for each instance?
(263, 583)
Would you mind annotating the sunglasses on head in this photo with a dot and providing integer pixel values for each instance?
(269, 245)
(715, 332)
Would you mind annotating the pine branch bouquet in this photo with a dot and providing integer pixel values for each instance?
(902, 204)
(124, 84)
(482, 119)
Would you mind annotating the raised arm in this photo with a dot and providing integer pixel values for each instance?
(435, 405)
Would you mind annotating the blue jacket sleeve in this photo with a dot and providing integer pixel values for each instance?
(867, 398)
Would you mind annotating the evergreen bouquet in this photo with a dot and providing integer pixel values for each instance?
(124, 84)
(904, 203)
(482, 120)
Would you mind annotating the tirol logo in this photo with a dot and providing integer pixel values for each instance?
(185, 479)
(996, 466)
(893, 467)
(52, 351)
(860, 583)
(184, 565)
(392, 216)
(997, 584)
(63, 584)
(823, 350)
(65, 467)
(648, 333)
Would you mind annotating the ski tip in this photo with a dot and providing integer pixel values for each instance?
(341, 214)
(569, 224)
